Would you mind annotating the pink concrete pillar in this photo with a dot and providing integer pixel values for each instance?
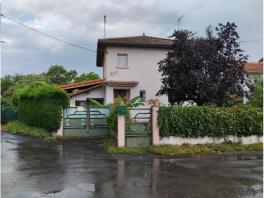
(155, 127)
(121, 131)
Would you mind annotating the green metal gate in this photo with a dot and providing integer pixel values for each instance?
(85, 122)
(138, 130)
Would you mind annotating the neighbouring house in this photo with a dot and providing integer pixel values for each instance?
(254, 70)
(129, 69)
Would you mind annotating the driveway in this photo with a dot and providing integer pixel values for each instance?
(33, 168)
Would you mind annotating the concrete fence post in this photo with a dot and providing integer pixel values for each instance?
(60, 130)
(121, 130)
(155, 127)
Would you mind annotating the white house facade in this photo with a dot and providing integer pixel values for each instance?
(130, 68)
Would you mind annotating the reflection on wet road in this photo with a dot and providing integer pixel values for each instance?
(33, 168)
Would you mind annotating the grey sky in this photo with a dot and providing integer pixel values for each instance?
(81, 22)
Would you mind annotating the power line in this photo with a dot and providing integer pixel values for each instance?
(47, 35)
(248, 41)
(84, 48)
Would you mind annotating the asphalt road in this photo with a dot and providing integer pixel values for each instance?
(33, 168)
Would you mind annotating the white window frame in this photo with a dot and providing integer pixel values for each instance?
(122, 61)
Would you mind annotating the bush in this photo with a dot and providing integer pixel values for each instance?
(257, 97)
(40, 105)
(203, 121)
(18, 127)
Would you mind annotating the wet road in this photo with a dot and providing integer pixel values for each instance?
(33, 168)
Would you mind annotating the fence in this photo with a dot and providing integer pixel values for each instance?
(7, 114)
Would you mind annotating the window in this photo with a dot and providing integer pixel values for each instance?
(122, 60)
(121, 93)
(142, 94)
(80, 103)
(91, 104)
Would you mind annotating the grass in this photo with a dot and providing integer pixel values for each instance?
(198, 149)
(125, 150)
(111, 148)
(18, 127)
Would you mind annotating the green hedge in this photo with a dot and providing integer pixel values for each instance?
(200, 121)
(40, 113)
(40, 105)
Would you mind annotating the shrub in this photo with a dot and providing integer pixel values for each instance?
(40, 105)
(200, 121)
(257, 97)
(18, 127)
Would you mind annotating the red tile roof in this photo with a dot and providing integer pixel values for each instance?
(83, 87)
(77, 91)
(144, 41)
(122, 83)
(254, 67)
(133, 41)
(82, 84)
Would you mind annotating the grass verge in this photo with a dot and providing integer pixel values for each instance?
(111, 148)
(197, 149)
(18, 127)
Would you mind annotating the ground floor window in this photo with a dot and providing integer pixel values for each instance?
(80, 103)
(122, 93)
(100, 100)
(142, 94)
(87, 102)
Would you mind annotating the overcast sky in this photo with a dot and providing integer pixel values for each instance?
(81, 22)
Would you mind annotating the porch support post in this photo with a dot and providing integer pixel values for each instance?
(60, 130)
(155, 127)
(121, 130)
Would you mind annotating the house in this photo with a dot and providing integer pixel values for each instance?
(254, 70)
(129, 69)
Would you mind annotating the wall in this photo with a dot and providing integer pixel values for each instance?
(210, 140)
(142, 67)
(95, 93)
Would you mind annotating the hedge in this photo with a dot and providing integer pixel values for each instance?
(201, 121)
(40, 105)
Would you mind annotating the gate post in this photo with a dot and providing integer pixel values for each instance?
(121, 131)
(155, 127)
(121, 126)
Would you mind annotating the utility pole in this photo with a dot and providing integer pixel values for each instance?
(105, 26)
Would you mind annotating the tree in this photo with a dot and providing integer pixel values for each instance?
(86, 76)
(204, 69)
(59, 75)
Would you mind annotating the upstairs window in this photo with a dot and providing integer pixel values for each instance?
(122, 60)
